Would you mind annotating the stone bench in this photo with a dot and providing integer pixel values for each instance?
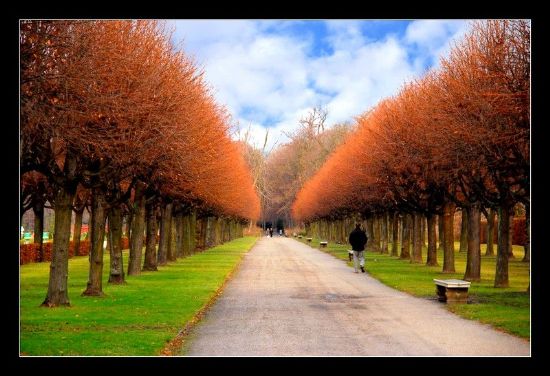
(323, 244)
(299, 236)
(309, 239)
(452, 290)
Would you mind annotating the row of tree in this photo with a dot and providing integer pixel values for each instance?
(394, 232)
(289, 166)
(457, 137)
(114, 115)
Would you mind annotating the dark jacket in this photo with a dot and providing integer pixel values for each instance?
(358, 239)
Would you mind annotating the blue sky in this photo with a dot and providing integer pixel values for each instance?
(270, 73)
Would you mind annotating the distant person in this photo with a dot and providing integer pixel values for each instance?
(270, 232)
(358, 240)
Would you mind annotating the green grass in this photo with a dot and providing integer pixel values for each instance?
(138, 318)
(507, 309)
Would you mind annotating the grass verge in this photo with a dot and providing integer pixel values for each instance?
(138, 318)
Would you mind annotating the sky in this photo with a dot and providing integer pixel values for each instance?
(271, 73)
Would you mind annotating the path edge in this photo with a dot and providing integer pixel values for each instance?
(493, 327)
(176, 344)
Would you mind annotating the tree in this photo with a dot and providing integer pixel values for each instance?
(114, 107)
(456, 137)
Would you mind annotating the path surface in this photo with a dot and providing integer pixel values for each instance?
(288, 299)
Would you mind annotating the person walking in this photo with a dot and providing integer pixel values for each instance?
(358, 240)
(271, 232)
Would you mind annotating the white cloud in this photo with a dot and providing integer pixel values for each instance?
(432, 37)
(271, 79)
(360, 78)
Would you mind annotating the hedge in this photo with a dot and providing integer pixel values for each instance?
(29, 252)
(518, 235)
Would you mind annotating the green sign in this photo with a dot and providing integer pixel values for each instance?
(45, 235)
(27, 236)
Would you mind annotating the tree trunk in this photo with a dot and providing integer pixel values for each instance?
(222, 230)
(171, 254)
(204, 233)
(390, 228)
(384, 233)
(511, 232)
(138, 224)
(501, 274)
(376, 233)
(320, 226)
(38, 209)
(343, 233)
(440, 238)
(432, 247)
(473, 258)
(448, 238)
(424, 233)
(193, 232)
(225, 230)
(464, 231)
(527, 245)
(315, 230)
(116, 275)
(77, 231)
(129, 225)
(406, 237)
(490, 233)
(150, 262)
(87, 236)
(57, 294)
(417, 238)
(370, 231)
(186, 227)
(217, 235)
(178, 224)
(209, 232)
(201, 233)
(395, 233)
(198, 235)
(95, 283)
(165, 226)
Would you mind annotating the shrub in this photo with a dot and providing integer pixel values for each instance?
(518, 232)
(29, 252)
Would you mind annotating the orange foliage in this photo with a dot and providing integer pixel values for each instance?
(128, 106)
(459, 132)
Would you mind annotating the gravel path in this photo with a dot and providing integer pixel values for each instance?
(288, 299)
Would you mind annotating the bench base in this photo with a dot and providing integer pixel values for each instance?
(452, 294)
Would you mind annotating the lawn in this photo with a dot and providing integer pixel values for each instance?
(137, 318)
(507, 309)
